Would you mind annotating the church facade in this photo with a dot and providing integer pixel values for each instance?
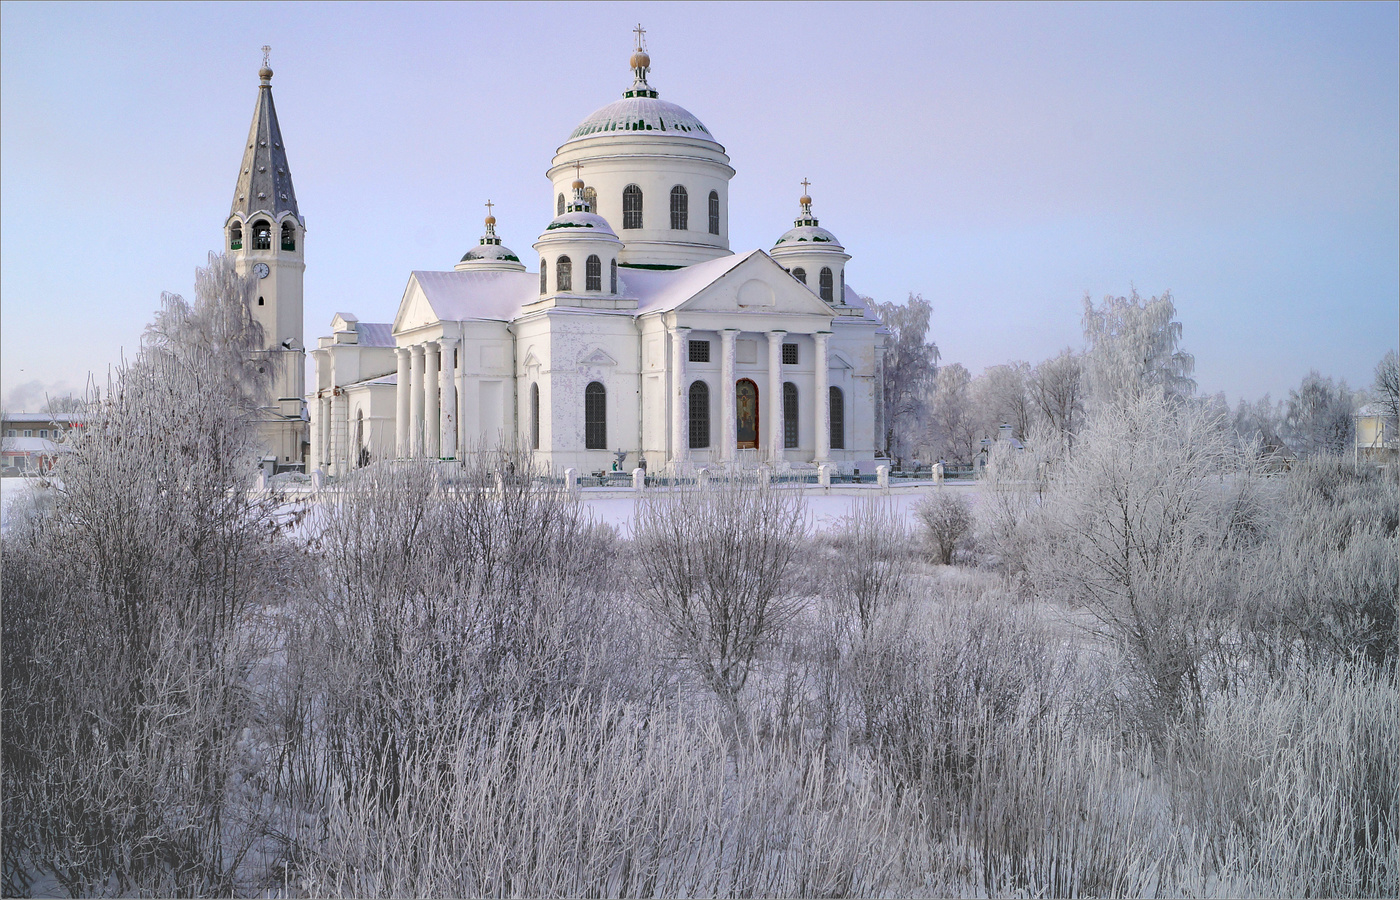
(643, 337)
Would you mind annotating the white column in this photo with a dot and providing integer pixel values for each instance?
(415, 394)
(323, 434)
(313, 409)
(449, 399)
(775, 394)
(728, 433)
(680, 405)
(822, 387)
(432, 437)
(340, 416)
(402, 404)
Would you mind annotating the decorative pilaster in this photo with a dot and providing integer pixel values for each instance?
(415, 393)
(432, 412)
(822, 387)
(322, 442)
(680, 396)
(775, 394)
(448, 400)
(728, 427)
(402, 404)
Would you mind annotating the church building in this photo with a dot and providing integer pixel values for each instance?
(642, 335)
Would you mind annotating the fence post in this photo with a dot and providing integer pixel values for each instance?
(639, 479)
(882, 476)
(824, 475)
(571, 481)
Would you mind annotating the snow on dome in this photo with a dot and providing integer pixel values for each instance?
(642, 114)
(491, 251)
(812, 235)
(580, 224)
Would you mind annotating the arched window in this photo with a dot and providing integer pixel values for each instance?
(826, 285)
(841, 297)
(564, 274)
(680, 209)
(534, 417)
(590, 196)
(789, 415)
(714, 212)
(544, 277)
(838, 420)
(800, 275)
(614, 277)
(559, 207)
(699, 415)
(262, 235)
(362, 456)
(593, 271)
(260, 301)
(289, 236)
(595, 417)
(631, 206)
(235, 236)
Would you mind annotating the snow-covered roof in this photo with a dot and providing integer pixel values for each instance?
(814, 235)
(391, 379)
(632, 114)
(41, 418)
(459, 296)
(491, 251)
(32, 446)
(854, 299)
(581, 224)
(661, 289)
(375, 334)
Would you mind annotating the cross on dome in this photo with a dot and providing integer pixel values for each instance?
(265, 73)
(640, 32)
(641, 64)
(490, 222)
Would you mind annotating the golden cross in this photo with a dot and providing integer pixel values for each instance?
(640, 31)
(578, 171)
(805, 185)
(267, 52)
(488, 207)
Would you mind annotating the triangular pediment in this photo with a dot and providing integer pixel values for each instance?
(757, 285)
(598, 357)
(531, 360)
(414, 309)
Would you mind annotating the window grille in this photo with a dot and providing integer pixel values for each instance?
(590, 196)
(800, 275)
(789, 415)
(826, 285)
(614, 277)
(262, 235)
(544, 269)
(559, 206)
(700, 351)
(593, 272)
(631, 206)
(595, 417)
(289, 236)
(564, 274)
(789, 354)
(534, 417)
(714, 212)
(680, 209)
(699, 412)
(838, 420)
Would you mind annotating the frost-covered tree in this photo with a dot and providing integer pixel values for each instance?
(1385, 392)
(1133, 349)
(1002, 395)
(1057, 387)
(1320, 417)
(954, 428)
(1260, 421)
(911, 363)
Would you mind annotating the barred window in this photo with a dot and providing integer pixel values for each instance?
(534, 417)
(262, 235)
(595, 417)
(289, 236)
(789, 415)
(826, 285)
(789, 354)
(838, 420)
(800, 275)
(614, 277)
(564, 274)
(699, 414)
(680, 208)
(235, 236)
(590, 196)
(699, 351)
(714, 212)
(559, 206)
(544, 277)
(631, 206)
(593, 271)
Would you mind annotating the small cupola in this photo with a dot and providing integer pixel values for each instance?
(578, 253)
(641, 65)
(490, 255)
(813, 255)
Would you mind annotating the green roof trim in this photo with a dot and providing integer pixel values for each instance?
(554, 225)
(656, 267)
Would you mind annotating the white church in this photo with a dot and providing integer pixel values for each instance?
(643, 336)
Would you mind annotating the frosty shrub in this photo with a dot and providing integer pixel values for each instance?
(1009, 505)
(947, 520)
(713, 572)
(868, 570)
(128, 608)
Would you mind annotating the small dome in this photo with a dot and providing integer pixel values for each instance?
(580, 224)
(265, 74)
(632, 114)
(809, 237)
(640, 60)
(490, 220)
(491, 251)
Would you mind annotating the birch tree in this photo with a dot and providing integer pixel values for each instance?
(1133, 349)
(911, 363)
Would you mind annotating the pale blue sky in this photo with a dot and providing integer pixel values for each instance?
(999, 160)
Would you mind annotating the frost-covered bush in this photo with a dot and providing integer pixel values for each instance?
(868, 566)
(947, 520)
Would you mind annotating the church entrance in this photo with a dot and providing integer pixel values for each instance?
(746, 399)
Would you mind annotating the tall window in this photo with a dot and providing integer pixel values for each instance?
(826, 285)
(544, 277)
(800, 275)
(262, 235)
(680, 209)
(289, 236)
(595, 417)
(235, 236)
(613, 290)
(631, 206)
(714, 212)
(564, 274)
(699, 415)
(789, 415)
(593, 272)
(559, 206)
(590, 196)
(534, 417)
(838, 420)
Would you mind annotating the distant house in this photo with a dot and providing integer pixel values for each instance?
(31, 442)
(1376, 437)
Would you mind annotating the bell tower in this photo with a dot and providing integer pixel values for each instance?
(265, 236)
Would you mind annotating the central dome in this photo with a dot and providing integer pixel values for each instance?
(642, 114)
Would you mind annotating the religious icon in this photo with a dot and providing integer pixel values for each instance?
(746, 401)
